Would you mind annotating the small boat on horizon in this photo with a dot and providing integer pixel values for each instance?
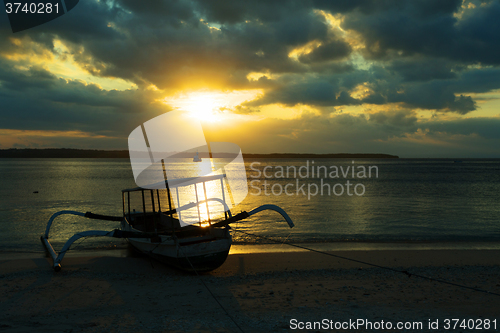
(156, 229)
(196, 158)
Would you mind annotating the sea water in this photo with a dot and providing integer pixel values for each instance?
(424, 203)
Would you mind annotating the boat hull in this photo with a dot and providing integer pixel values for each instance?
(201, 263)
(200, 257)
(200, 253)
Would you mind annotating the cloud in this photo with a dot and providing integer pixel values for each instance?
(333, 50)
(233, 12)
(434, 95)
(241, 109)
(430, 28)
(34, 99)
(423, 69)
(405, 56)
(486, 127)
(400, 119)
(392, 132)
(173, 46)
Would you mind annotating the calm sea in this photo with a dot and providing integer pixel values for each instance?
(402, 201)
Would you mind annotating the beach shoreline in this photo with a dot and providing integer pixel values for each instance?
(261, 292)
(125, 250)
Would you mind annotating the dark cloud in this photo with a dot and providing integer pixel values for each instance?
(478, 80)
(161, 10)
(434, 95)
(343, 6)
(387, 87)
(21, 81)
(423, 69)
(430, 28)
(36, 99)
(484, 127)
(321, 93)
(334, 50)
(233, 12)
(420, 8)
(396, 119)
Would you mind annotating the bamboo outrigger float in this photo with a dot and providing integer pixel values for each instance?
(157, 231)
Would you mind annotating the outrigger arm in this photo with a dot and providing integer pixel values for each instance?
(57, 258)
(243, 215)
(276, 209)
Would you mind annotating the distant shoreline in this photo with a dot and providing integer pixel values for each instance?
(94, 153)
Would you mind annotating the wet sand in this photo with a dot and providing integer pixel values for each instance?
(261, 292)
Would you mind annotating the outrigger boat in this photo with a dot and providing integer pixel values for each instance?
(157, 232)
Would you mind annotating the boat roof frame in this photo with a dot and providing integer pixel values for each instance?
(175, 183)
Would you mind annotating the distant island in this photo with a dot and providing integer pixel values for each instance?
(312, 156)
(94, 153)
(62, 153)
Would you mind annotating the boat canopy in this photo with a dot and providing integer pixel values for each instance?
(195, 205)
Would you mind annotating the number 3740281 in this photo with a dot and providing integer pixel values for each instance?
(31, 8)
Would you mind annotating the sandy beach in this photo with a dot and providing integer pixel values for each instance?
(272, 292)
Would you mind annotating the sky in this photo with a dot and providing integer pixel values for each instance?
(409, 78)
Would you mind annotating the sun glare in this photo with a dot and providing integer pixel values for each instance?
(203, 107)
(210, 106)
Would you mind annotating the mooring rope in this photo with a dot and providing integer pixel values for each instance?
(210, 291)
(370, 264)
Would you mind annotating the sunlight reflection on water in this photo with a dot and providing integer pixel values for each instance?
(410, 201)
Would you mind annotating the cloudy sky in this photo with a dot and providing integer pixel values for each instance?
(411, 78)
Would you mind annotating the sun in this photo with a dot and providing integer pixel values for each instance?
(209, 105)
(204, 106)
